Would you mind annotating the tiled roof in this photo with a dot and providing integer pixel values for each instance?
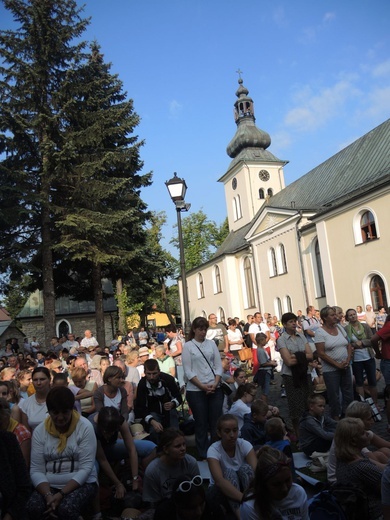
(363, 164)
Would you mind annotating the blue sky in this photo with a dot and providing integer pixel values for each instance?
(318, 72)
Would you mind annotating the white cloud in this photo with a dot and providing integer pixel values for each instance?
(316, 109)
(175, 108)
(328, 17)
(381, 70)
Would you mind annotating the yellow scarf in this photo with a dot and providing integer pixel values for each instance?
(50, 428)
(12, 425)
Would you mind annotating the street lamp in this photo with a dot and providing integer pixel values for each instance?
(177, 189)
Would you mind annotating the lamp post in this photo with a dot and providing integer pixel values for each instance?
(177, 189)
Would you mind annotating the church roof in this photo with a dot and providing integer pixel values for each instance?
(361, 166)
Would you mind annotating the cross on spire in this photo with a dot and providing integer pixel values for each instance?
(239, 72)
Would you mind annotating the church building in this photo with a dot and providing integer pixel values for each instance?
(320, 240)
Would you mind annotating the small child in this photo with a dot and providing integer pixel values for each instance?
(316, 430)
(266, 366)
(253, 429)
(276, 434)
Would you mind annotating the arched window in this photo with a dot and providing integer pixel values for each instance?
(368, 226)
(221, 313)
(365, 226)
(288, 304)
(278, 308)
(270, 192)
(234, 209)
(238, 204)
(63, 328)
(319, 275)
(250, 293)
(200, 286)
(217, 280)
(273, 267)
(282, 259)
(204, 314)
(378, 293)
(261, 193)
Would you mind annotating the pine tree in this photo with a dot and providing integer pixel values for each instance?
(37, 58)
(100, 216)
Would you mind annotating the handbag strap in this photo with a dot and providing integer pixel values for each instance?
(192, 341)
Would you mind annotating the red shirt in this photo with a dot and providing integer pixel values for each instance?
(384, 334)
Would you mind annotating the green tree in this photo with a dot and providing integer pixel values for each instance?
(101, 218)
(37, 57)
(201, 238)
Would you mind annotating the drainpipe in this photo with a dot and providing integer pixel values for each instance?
(300, 256)
(255, 277)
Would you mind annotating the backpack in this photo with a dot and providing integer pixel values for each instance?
(341, 502)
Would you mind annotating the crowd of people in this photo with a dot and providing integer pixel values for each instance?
(95, 425)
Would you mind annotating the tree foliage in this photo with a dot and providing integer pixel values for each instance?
(201, 238)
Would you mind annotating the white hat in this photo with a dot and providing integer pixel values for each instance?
(138, 431)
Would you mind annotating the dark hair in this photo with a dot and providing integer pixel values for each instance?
(110, 372)
(109, 419)
(287, 316)
(186, 500)
(167, 437)
(260, 336)
(259, 407)
(237, 372)
(225, 418)
(5, 408)
(151, 364)
(60, 376)
(346, 314)
(274, 429)
(232, 322)
(60, 398)
(44, 370)
(247, 388)
(170, 328)
(199, 323)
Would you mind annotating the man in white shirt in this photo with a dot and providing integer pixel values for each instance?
(258, 326)
(89, 340)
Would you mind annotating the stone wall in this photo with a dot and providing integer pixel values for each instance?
(77, 325)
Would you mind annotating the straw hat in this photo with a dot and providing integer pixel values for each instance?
(130, 513)
(138, 431)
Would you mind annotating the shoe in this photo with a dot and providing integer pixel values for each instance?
(283, 392)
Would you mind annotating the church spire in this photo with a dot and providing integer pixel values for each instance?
(249, 141)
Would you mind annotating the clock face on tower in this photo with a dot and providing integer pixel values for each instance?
(264, 175)
(234, 183)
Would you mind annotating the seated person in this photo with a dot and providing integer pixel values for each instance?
(352, 467)
(22, 434)
(316, 430)
(253, 429)
(239, 376)
(362, 410)
(276, 434)
(158, 397)
(272, 493)
(165, 362)
(231, 462)
(228, 378)
(244, 397)
(188, 502)
(172, 462)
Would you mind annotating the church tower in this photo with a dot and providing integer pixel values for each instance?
(254, 174)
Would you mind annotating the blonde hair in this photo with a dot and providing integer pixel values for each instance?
(348, 432)
(78, 372)
(132, 356)
(359, 409)
(7, 370)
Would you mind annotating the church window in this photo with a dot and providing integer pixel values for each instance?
(238, 203)
(270, 192)
(221, 313)
(288, 304)
(200, 286)
(63, 328)
(282, 259)
(261, 193)
(249, 290)
(317, 269)
(378, 293)
(217, 280)
(365, 226)
(368, 227)
(278, 307)
(273, 266)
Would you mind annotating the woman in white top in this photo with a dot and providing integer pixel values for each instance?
(243, 398)
(335, 352)
(203, 370)
(62, 461)
(235, 338)
(231, 462)
(34, 410)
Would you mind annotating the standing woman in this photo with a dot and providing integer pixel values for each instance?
(359, 336)
(203, 370)
(296, 354)
(33, 410)
(235, 338)
(335, 351)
